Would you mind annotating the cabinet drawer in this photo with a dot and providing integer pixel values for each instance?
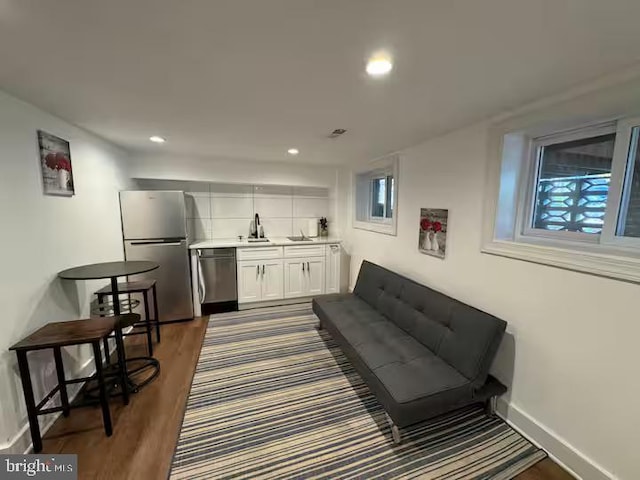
(258, 253)
(304, 251)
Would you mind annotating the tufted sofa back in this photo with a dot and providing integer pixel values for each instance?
(464, 337)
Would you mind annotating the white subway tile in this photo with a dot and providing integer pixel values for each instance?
(321, 192)
(272, 191)
(229, 227)
(310, 207)
(231, 207)
(198, 207)
(202, 228)
(273, 207)
(277, 227)
(231, 190)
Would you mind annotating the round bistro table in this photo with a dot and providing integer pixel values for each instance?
(113, 270)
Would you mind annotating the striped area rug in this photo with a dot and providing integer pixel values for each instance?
(273, 398)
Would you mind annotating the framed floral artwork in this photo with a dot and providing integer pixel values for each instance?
(55, 162)
(432, 237)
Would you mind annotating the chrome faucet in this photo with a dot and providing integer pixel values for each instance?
(304, 237)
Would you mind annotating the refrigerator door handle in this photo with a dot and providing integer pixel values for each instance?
(201, 284)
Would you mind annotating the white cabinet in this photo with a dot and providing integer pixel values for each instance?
(267, 274)
(249, 285)
(315, 276)
(272, 280)
(303, 277)
(260, 280)
(333, 259)
(294, 277)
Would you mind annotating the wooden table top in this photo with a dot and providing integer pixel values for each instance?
(73, 332)
(96, 271)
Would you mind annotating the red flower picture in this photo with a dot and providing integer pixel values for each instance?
(432, 237)
(55, 160)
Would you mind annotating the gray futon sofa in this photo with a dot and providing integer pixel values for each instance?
(420, 352)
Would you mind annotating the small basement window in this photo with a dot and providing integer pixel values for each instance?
(376, 192)
(569, 198)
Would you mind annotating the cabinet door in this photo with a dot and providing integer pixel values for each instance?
(272, 279)
(332, 269)
(315, 276)
(249, 282)
(294, 277)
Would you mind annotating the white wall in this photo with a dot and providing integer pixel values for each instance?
(42, 235)
(570, 356)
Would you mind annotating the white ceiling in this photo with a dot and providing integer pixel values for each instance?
(251, 78)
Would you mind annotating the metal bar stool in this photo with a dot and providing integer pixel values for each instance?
(55, 336)
(132, 365)
(143, 286)
(127, 306)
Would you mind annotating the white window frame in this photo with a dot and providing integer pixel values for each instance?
(381, 168)
(511, 180)
(622, 171)
(526, 204)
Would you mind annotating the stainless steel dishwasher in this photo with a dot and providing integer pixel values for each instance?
(217, 277)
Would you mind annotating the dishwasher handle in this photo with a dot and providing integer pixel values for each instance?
(201, 284)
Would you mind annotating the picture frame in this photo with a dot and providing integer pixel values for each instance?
(432, 233)
(55, 165)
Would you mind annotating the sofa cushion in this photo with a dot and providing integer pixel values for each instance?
(464, 337)
(423, 377)
(400, 348)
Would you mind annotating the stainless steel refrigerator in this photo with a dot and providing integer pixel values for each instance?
(154, 227)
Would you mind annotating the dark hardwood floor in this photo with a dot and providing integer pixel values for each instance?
(145, 432)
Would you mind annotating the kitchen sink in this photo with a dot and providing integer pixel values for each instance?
(300, 239)
(254, 240)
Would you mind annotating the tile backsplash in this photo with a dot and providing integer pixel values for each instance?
(220, 210)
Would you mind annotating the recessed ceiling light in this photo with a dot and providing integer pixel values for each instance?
(293, 151)
(379, 65)
(157, 139)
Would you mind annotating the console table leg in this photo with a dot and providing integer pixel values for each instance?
(32, 414)
(64, 398)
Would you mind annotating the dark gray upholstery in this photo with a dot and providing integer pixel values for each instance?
(421, 353)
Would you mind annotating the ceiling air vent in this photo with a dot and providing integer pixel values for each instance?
(337, 132)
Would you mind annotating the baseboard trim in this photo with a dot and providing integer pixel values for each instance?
(560, 451)
(21, 442)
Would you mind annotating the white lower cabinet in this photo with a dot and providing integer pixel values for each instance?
(272, 280)
(259, 280)
(303, 277)
(300, 271)
(249, 285)
(333, 260)
(315, 276)
(294, 277)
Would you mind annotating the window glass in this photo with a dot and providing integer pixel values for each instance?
(572, 185)
(379, 200)
(630, 212)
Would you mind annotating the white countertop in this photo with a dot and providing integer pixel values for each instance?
(275, 241)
